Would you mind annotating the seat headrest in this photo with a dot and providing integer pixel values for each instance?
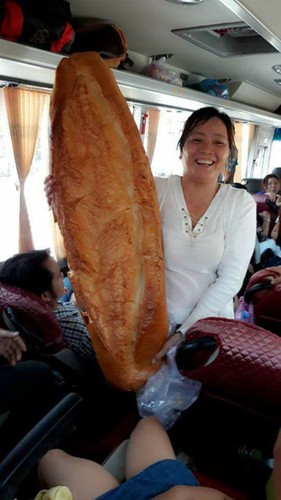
(34, 314)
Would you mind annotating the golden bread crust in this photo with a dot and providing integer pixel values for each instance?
(107, 209)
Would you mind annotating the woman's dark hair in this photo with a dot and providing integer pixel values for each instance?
(267, 177)
(26, 271)
(202, 115)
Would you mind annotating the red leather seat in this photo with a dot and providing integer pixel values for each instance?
(34, 315)
(209, 482)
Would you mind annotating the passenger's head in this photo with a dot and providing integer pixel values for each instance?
(205, 145)
(271, 183)
(35, 271)
(201, 116)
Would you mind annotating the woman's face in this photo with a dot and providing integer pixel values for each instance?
(273, 185)
(206, 151)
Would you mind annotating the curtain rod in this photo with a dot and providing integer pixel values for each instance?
(6, 81)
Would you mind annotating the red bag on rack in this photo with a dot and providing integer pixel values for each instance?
(45, 25)
(104, 38)
(235, 359)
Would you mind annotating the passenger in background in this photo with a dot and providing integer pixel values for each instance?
(229, 173)
(271, 186)
(39, 273)
(68, 295)
(151, 470)
(271, 247)
(27, 390)
(276, 231)
(263, 219)
(277, 467)
(268, 199)
(263, 222)
(263, 237)
(11, 347)
(262, 231)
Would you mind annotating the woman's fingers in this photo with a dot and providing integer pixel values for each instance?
(15, 351)
(6, 334)
(277, 270)
(48, 188)
(160, 354)
(9, 353)
(276, 281)
(48, 180)
(19, 344)
(11, 346)
(174, 339)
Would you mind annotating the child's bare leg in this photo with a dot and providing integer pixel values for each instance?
(148, 444)
(85, 479)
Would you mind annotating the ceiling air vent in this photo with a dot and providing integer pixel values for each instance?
(230, 39)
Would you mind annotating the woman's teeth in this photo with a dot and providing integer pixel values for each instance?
(205, 162)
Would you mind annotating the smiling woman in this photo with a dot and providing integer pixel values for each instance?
(205, 224)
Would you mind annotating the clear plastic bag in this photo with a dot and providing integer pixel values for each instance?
(245, 312)
(157, 70)
(167, 393)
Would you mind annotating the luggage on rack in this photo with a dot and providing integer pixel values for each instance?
(104, 38)
(46, 25)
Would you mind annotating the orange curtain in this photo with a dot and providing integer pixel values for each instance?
(153, 122)
(24, 111)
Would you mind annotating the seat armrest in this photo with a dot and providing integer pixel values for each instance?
(116, 462)
(45, 434)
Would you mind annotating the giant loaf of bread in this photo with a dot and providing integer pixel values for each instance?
(107, 209)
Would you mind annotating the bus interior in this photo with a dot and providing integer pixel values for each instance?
(172, 47)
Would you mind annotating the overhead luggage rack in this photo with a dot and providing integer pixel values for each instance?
(21, 62)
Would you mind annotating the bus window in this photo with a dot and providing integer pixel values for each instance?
(243, 136)
(165, 159)
(39, 215)
(260, 151)
(275, 157)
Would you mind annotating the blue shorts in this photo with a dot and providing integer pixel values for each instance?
(152, 481)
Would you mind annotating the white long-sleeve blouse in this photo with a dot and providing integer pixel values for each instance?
(205, 267)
